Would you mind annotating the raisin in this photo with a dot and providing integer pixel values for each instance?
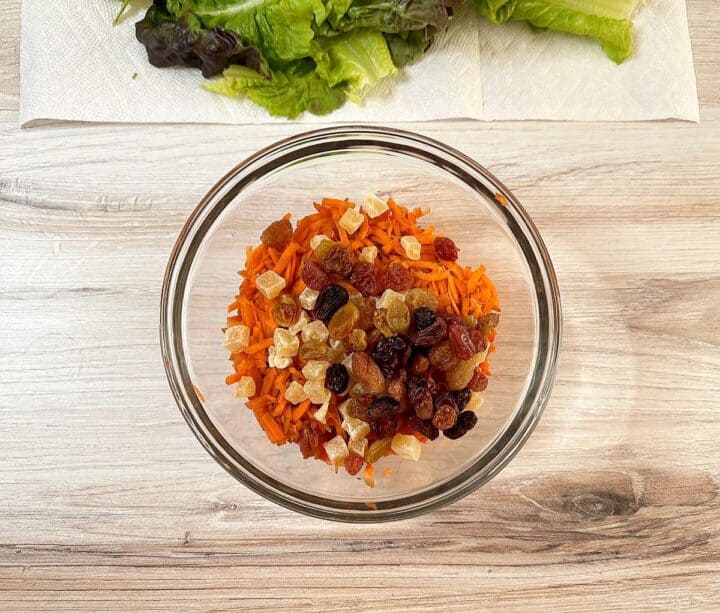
(418, 297)
(336, 353)
(434, 385)
(366, 371)
(479, 382)
(387, 351)
(451, 318)
(423, 317)
(357, 407)
(460, 341)
(385, 426)
(419, 364)
(462, 397)
(309, 440)
(441, 356)
(338, 261)
(277, 234)
(381, 323)
(331, 298)
(358, 339)
(445, 249)
(321, 251)
(367, 312)
(363, 279)
(434, 333)
(488, 322)
(466, 421)
(313, 276)
(470, 322)
(337, 378)
(343, 321)
(446, 412)
(423, 426)
(383, 407)
(460, 376)
(313, 350)
(478, 339)
(398, 316)
(285, 311)
(395, 389)
(420, 398)
(401, 375)
(353, 463)
(398, 277)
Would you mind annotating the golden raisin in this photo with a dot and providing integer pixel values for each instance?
(343, 321)
(285, 311)
(277, 234)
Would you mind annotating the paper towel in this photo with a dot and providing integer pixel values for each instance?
(76, 66)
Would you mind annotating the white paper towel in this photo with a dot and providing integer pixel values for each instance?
(76, 66)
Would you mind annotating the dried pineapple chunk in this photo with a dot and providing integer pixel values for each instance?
(307, 298)
(317, 239)
(321, 414)
(342, 409)
(270, 284)
(412, 247)
(303, 320)
(406, 446)
(356, 428)
(373, 206)
(286, 343)
(315, 370)
(237, 338)
(358, 446)
(316, 391)
(315, 331)
(388, 297)
(336, 450)
(295, 393)
(476, 401)
(245, 387)
(351, 220)
(275, 361)
(368, 254)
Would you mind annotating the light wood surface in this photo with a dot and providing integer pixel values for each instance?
(107, 502)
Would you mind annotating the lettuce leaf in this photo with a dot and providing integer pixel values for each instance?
(408, 47)
(606, 20)
(395, 16)
(289, 92)
(356, 59)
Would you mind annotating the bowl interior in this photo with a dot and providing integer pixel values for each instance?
(485, 232)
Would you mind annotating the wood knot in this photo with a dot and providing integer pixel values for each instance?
(599, 505)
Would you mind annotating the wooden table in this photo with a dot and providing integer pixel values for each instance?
(107, 502)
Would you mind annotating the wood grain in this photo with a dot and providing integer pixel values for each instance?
(108, 502)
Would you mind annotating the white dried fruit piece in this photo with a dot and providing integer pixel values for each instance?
(406, 446)
(356, 428)
(295, 393)
(343, 409)
(315, 370)
(368, 254)
(237, 338)
(299, 325)
(351, 220)
(315, 331)
(347, 362)
(316, 391)
(286, 343)
(321, 414)
(388, 297)
(336, 450)
(307, 298)
(245, 387)
(476, 401)
(270, 284)
(358, 446)
(274, 361)
(412, 247)
(373, 206)
(317, 239)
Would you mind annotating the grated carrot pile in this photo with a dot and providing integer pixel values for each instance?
(461, 290)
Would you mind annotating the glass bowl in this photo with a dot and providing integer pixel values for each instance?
(468, 204)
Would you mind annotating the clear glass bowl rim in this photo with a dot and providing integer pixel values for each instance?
(349, 138)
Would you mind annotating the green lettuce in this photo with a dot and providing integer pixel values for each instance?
(608, 21)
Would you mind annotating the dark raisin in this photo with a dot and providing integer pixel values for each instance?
(423, 317)
(363, 279)
(331, 298)
(423, 426)
(277, 234)
(338, 261)
(466, 421)
(313, 276)
(446, 412)
(462, 397)
(451, 318)
(388, 352)
(433, 334)
(445, 249)
(479, 382)
(385, 427)
(382, 407)
(398, 277)
(337, 378)
(441, 356)
(478, 339)
(460, 341)
(310, 438)
(353, 463)
(423, 404)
